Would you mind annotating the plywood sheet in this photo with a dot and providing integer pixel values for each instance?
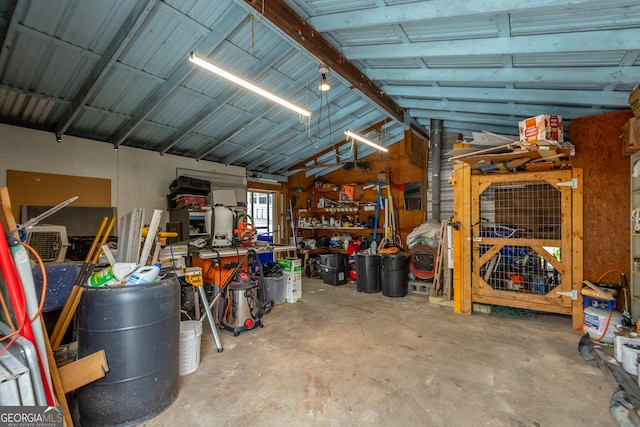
(47, 189)
(606, 191)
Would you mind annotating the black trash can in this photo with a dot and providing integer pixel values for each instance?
(368, 273)
(334, 268)
(395, 274)
(138, 327)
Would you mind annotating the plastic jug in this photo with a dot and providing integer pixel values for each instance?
(112, 275)
(146, 274)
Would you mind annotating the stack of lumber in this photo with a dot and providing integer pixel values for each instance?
(514, 156)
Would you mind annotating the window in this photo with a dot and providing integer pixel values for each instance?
(260, 206)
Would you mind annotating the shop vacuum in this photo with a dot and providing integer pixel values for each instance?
(240, 306)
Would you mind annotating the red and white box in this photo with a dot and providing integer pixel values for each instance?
(540, 128)
(188, 200)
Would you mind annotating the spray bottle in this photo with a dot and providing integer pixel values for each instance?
(112, 275)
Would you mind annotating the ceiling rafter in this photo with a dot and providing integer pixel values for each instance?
(341, 114)
(285, 153)
(507, 109)
(122, 38)
(289, 22)
(559, 97)
(593, 75)
(234, 17)
(426, 10)
(226, 97)
(335, 147)
(9, 36)
(607, 40)
(361, 122)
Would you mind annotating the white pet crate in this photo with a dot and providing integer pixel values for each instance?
(50, 241)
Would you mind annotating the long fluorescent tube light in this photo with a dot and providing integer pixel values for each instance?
(365, 140)
(247, 85)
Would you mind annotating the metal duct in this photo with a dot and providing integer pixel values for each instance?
(436, 155)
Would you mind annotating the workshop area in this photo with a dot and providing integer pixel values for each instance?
(300, 212)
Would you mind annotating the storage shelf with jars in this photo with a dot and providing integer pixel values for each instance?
(334, 201)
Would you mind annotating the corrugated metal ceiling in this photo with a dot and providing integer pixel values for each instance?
(117, 70)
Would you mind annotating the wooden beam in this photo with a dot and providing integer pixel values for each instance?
(316, 165)
(314, 158)
(289, 22)
(83, 371)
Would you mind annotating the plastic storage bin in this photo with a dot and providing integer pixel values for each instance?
(273, 288)
(334, 268)
(333, 276)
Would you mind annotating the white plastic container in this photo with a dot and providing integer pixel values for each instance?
(112, 275)
(630, 358)
(146, 274)
(190, 337)
(595, 322)
(622, 338)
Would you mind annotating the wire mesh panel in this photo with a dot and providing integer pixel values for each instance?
(518, 241)
(518, 237)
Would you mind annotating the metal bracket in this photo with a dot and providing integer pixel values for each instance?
(573, 183)
(475, 239)
(573, 294)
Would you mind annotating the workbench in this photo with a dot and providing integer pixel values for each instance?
(240, 251)
(212, 261)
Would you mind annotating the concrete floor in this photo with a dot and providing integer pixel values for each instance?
(343, 358)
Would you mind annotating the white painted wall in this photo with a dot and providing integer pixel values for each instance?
(139, 178)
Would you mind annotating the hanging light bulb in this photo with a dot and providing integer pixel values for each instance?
(324, 85)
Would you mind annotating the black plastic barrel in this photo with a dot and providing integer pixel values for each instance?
(395, 274)
(368, 273)
(138, 327)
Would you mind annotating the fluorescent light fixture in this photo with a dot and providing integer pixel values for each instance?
(365, 140)
(247, 85)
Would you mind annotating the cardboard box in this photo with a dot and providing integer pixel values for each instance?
(292, 271)
(634, 100)
(540, 128)
(631, 136)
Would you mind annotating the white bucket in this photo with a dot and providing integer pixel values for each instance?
(190, 336)
(595, 322)
(621, 338)
(630, 358)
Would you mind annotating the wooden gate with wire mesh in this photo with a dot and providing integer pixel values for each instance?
(519, 241)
